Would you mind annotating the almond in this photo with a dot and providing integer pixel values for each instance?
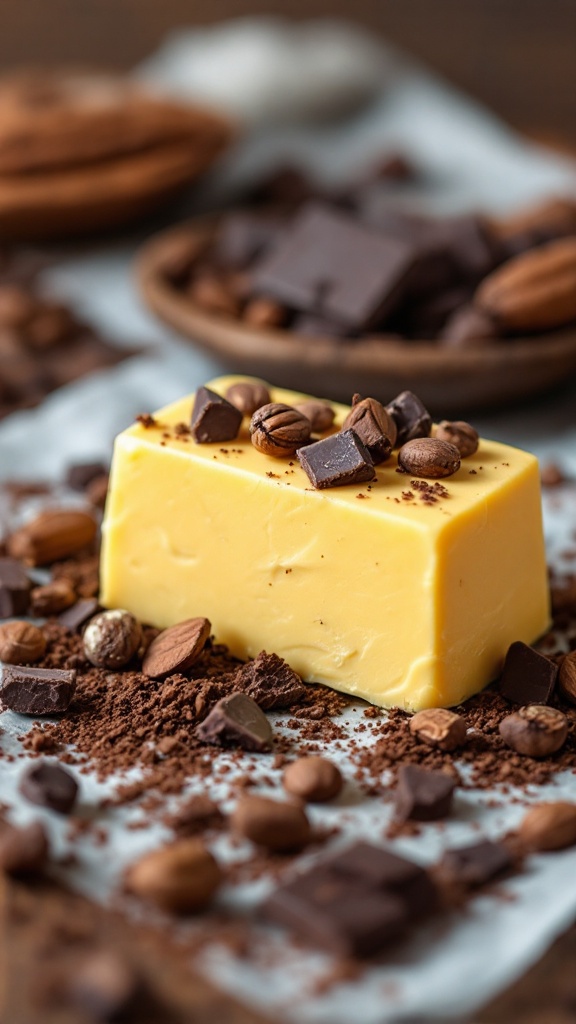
(535, 291)
(549, 826)
(53, 535)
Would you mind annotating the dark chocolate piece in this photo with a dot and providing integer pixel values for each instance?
(37, 691)
(423, 795)
(15, 588)
(340, 914)
(78, 615)
(332, 266)
(270, 681)
(237, 721)
(387, 871)
(528, 677)
(214, 418)
(476, 864)
(50, 785)
(411, 416)
(243, 237)
(336, 461)
(80, 474)
(474, 252)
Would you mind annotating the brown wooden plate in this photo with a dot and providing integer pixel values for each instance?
(449, 381)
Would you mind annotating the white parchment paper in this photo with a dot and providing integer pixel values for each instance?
(452, 967)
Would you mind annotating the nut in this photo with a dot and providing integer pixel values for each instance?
(275, 826)
(535, 730)
(374, 426)
(52, 536)
(179, 878)
(264, 312)
(21, 643)
(279, 430)
(112, 638)
(552, 216)
(52, 598)
(549, 826)
(439, 727)
(213, 293)
(315, 779)
(535, 291)
(460, 434)
(248, 396)
(429, 457)
(567, 677)
(320, 414)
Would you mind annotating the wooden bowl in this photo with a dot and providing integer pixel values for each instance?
(448, 381)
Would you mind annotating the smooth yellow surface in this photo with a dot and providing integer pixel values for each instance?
(388, 598)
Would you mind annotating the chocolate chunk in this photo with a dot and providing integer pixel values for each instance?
(214, 419)
(336, 461)
(78, 615)
(23, 851)
(330, 265)
(474, 251)
(37, 691)
(243, 237)
(411, 416)
(343, 915)
(237, 721)
(527, 677)
(177, 648)
(50, 785)
(385, 870)
(15, 588)
(270, 681)
(476, 864)
(423, 795)
(80, 474)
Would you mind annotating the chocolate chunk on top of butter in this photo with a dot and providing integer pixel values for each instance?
(397, 591)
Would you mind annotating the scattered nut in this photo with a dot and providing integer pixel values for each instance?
(112, 638)
(52, 536)
(282, 827)
(279, 430)
(315, 779)
(439, 727)
(180, 878)
(320, 414)
(374, 425)
(264, 312)
(460, 434)
(52, 598)
(428, 457)
(535, 730)
(567, 677)
(549, 826)
(248, 396)
(21, 643)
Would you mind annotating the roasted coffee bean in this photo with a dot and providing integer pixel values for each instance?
(248, 396)
(181, 878)
(567, 677)
(375, 427)
(177, 648)
(279, 430)
(439, 727)
(21, 643)
(50, 785)
(314, 779)
(320, 414)
(460, 434)
(278, 826)
(112, 638)
(535, 730)
(550, 826)
(214, 419)
(429, 458)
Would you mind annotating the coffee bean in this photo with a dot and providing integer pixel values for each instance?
(567, 677)
(314, 779)
(237, 721)
(320, 414)
(23, 851)
(279, 430)
(248, 396)
(282, 827)
(15, 588)
(423, 795)
(430, 458)
(439, 727)
(176, 648)
(535, 730)
(112, 638)
(21, 643)
(180, 878)
(37, 691)
(460, 434)
(550, 826)
(50, 785)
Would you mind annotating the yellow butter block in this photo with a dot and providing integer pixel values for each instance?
(376, 589)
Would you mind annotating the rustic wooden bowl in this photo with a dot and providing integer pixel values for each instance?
(449, 381)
